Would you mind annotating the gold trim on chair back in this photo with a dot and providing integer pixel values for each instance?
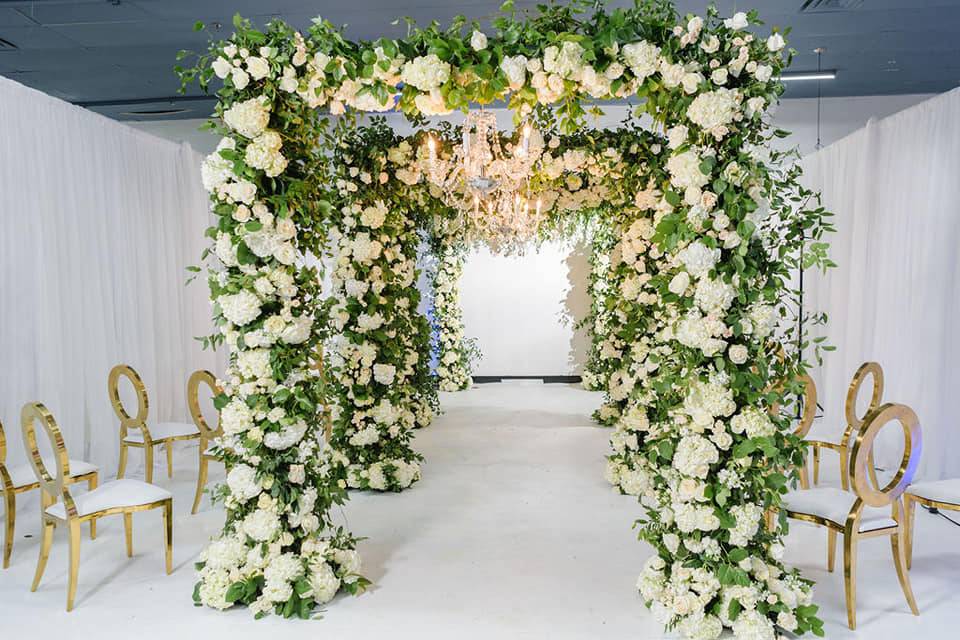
(3, 445)
(143, 404)
(54, 486)
(809, 406)
(861, 456)
(193, 402)
(855, 422)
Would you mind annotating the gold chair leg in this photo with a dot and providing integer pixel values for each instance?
(92, 484)
(201, 482)
(169, 458)
(831, 549)
(148, 461)
(46, 541)
(74, 563)
(898, 546)
(122, 468)
(128, 532)
(816, 465)
(850, 576)
(168, 534)
(910, 521)
(10, 500)
(844, 471)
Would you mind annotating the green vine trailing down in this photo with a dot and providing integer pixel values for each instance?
(706, 226)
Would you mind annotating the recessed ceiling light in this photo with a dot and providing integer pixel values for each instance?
(792, 76)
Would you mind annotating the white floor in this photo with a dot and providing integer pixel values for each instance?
(512, 533)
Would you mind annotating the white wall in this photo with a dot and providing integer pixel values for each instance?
(517, 306)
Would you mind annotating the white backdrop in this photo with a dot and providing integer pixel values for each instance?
(99, 222)
(895, 298)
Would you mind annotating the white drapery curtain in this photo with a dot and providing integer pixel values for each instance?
(98, 223)
(895, 296)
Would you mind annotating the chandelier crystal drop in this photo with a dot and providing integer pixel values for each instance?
(489, 182)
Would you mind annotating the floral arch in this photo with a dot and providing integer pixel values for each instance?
(696, 225)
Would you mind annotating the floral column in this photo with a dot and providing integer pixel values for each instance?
(452, 352)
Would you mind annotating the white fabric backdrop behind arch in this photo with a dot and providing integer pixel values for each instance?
(98, 222)
(895, 296)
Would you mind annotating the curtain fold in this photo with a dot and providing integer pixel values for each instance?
(98, 222)
(895, 296)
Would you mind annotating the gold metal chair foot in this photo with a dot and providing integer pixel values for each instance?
(128, 532)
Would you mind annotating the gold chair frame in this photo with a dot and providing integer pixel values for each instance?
(55, 487)
(869, 494)
(910, 503)
(854, 423)
(138, 421)
(10, 498)
(206, 432)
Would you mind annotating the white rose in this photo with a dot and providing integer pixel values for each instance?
(478, 41)
(222, 67)
(240, 79)
(738, 353)
(679, 283)
(776, 42)
(258, 67)
(737, 22)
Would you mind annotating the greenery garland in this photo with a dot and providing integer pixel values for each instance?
(708, 226)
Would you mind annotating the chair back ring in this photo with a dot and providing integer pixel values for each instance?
(854, 422)
(809, 405)
(3, 444)
(143, 404)
(54, 485)
(861, 457)
(193, 401)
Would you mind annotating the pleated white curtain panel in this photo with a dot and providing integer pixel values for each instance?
(98, 223)
(895, 297)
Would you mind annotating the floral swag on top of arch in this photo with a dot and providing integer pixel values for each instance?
(701, 224)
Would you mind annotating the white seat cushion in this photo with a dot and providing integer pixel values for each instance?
(116, 493)
(947, 491)
(24, 475)
(164, 430)
(834, 505)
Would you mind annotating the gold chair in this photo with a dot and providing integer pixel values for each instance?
(20, 479)
(861, 514)
(938, 494)
(134, 431)
(116, 496)
(853, 424)
(206, 433)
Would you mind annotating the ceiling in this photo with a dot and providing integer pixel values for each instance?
(116, 56)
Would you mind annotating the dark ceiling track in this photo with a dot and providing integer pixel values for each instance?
(135, 101)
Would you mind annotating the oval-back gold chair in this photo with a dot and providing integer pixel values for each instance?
(134, 431)
(207, 433)
(58, 506)
(808, 413)
(854, 422)
(861, 514)
(21, 479)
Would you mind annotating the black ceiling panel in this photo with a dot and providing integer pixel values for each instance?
(123, 51)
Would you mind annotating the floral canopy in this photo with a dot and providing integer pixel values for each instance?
(696, 225)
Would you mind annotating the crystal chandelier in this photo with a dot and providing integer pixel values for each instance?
(489, 187)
